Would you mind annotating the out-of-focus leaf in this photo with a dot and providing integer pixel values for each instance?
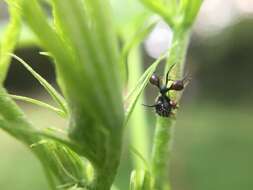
(53, 93)
(10, 37)
(26, 37)
(40, 103)
(123, 16)
(139, 155)
(137, 38)
(140, 180)
(114, 188)
(192, 12)
(189, 10)
(159, 8)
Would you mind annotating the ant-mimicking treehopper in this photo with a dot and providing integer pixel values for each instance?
(164, 106)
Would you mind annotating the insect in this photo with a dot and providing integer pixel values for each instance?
(164, 106)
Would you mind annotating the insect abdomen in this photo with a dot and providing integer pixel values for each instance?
(163, 107)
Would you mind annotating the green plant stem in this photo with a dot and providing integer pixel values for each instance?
(161, 151)
(138, 122)
(162, 139)
(177, 54)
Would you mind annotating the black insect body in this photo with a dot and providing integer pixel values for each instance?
(164, 106)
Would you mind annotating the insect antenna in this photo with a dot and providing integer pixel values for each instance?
(167, 74)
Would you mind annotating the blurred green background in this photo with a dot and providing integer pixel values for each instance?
(212, 147)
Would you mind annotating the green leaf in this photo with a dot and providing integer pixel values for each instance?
(53, 93)
(171, 3)
(140, 180)
(138, 130)
(158, 7)
(114, 188)
(122, 15)
(140, 156)
(84, 45)
(14, 122)
(94, 68)
(48, 38)
(137, 38)
(66, 165)
(191, 15)
(41, 104)
(10, 37)
(189, 10)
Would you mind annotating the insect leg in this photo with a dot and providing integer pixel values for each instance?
(150, 106)
(174, 104)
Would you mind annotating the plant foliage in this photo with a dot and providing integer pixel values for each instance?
(82, 38)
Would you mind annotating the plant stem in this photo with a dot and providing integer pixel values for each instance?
(138, 122)
(161, 151)
(162, 139)
(178, 52)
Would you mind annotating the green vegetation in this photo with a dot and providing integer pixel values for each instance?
(195, 143)
(82, 39)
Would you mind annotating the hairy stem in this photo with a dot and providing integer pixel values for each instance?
(178, 53)
(161, 151)
(162, 139)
